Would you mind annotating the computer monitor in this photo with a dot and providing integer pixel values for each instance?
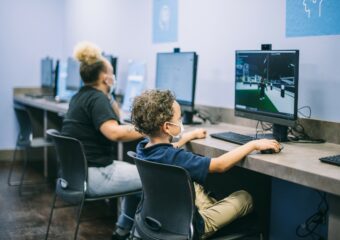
(56, 78)
(73, 79)
(266, 88)
(113, 60)
(176, 72)
(46, 73)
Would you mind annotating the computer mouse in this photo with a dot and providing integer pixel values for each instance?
(271, 151)
(268, 151)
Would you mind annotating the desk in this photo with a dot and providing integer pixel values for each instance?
(59, 109)
(46, 106)
(297, 163)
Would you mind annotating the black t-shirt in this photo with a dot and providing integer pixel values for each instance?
(88, 110)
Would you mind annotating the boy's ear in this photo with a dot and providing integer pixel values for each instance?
(165, 128)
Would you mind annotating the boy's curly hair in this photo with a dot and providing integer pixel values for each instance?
(151, 110)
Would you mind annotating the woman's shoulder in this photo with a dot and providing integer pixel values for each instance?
(92, 94)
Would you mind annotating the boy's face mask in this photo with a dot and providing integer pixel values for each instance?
(180, 125)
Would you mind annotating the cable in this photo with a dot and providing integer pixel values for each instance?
(304, 115)
(264, 127)
(311, 224)
(297, 133)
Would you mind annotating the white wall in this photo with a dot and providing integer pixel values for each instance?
(30, 30)
(118, 27)
(214, 29)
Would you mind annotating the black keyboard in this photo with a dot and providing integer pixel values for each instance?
(34, 95)
(233, 137)
(335, 160)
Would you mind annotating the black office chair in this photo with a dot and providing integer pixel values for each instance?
(168, 206)
(71, 184)
(24, 141)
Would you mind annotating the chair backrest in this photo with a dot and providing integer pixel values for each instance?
(72, 166)
(168, 200)
(25, 125)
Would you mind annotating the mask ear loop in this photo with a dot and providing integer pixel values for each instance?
(178, 136)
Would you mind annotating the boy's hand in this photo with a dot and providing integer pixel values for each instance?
(198, 133)
(187, 137)
(264, 144)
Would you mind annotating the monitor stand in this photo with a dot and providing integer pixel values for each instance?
(187, 118)
(280, 133)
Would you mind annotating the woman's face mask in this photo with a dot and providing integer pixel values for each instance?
(112, 86)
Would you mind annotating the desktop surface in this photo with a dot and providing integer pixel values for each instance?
(298, 162)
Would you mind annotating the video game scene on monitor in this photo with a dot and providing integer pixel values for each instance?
(266, 82)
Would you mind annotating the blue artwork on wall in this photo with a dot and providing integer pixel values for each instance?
(165, 21)
(312, 17)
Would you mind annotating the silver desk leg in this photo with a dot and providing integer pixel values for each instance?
(120, 151)
(45, 148)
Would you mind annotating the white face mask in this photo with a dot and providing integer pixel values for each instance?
(180, 126)
(112, 86)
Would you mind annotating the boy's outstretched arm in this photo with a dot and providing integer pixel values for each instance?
(228, 160)
(187, 137)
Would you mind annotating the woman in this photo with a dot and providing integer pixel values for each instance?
(92, 120)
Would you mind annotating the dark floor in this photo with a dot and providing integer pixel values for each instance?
(26, 217)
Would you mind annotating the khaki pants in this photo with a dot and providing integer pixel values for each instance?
(217, 214)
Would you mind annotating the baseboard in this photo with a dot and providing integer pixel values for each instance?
(6, 155)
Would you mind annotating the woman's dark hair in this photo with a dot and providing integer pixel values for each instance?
(151, 110)
(90, 72)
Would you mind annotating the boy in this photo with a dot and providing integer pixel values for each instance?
(157, 115)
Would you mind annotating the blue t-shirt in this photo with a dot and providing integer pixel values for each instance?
(197, 166)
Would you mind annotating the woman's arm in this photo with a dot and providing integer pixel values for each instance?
(114, 105)
(115, 132)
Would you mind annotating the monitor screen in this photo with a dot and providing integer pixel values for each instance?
(46, 75)
(73, 79)
(113, 60)
(177, 72)
(266, 85)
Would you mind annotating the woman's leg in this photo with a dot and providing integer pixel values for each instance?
(114, 179)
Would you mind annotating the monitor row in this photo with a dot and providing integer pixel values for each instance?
(63, 78)
(266, 82)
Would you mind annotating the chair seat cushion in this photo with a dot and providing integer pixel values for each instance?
(68, 194)
(40, 142)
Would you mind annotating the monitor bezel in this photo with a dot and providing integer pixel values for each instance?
(42, 82)
(186, 105)
(275, 118)
(69, 87)
(113, 61)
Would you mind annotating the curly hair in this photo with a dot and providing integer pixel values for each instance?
(151, 110)
(92, 61)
